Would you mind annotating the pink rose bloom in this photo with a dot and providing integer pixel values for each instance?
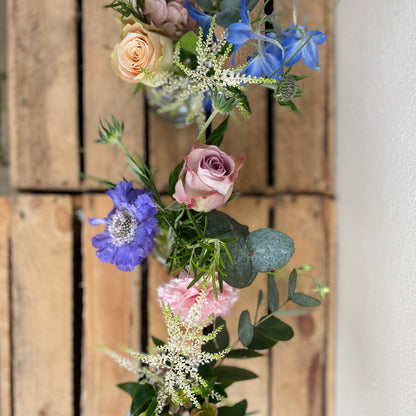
(156, 11)
(141, 52)
(181, 299)
(175, 24)
(207, 178)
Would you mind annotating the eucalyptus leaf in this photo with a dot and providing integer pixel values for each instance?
(275, 329)
(272, 294)
(225, 17)
(239, 409)
(245, 329)
(305, 300)
(226, 373)
(206, 5)
(259, 299)
(260, 342)
(293, 277)
(270, 249)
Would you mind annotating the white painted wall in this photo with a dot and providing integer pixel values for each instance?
(376, 191)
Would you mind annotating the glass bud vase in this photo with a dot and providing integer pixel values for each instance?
(178, 115)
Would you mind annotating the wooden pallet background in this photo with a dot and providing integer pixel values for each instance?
(57, 301)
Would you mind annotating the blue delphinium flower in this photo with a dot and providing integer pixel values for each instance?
(299, 43)
(130, 229)
(203, 19)
(267, 61)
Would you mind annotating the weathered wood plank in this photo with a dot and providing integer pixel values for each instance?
(167, 147)
(43, 94)
(105, 94)
(5, 351)
(242, 210)
(111, 320)
(42, 256)
(248, 137)
(303, 146)
(298, 366)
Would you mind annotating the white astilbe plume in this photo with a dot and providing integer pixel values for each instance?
(176, 363)
(209, 74)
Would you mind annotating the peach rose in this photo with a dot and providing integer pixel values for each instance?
(207, 178)
(141, 52)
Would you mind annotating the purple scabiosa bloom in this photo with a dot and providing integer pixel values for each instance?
(130, 227)
(298, 43)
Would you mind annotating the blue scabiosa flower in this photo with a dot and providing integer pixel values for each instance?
(130, 229)
(299, 43)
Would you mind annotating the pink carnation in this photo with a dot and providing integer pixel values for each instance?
(181, 299)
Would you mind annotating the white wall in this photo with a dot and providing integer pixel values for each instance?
(376, 191)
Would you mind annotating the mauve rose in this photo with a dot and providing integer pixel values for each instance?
(207, 178)
(156, 11)
(181, 299)
(176, 22)
(141, 52)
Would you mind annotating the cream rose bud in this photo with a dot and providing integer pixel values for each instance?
(207, 178)
(141, 52)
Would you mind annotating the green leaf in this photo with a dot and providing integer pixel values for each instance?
(227, 16)
(259, 299)
(150, 411)
(129, 387)
(138, 88)
(272, 294)
(260, 342)
(158, 342)
(243, 353)
(270, 249)
(142, 397)
(293, 277)
(188, 42)
(304, 300)
(174, 176)
(222, 339)
(245, 329)
(275, 329)
(206, 5)
(238, 409)
(227, 373)
(215, 138)
(239, 272)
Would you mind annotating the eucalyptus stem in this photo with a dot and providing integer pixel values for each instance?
(207, 123)
(294, 13)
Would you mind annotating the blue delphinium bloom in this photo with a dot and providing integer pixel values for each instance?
(299, 43)
(130, 229)
(203, 19)
(267, 61)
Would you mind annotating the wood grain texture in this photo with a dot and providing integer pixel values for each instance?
(242, 210)
(167, 147)
(105, 95)
(43, 94)
(248, 137)
(5, 342)
(299, 366)
(42, 243)
(111, 320)
(304, 146)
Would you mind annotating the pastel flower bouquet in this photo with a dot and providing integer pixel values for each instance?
(188, 51)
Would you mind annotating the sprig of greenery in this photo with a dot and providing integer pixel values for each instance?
(126, 8)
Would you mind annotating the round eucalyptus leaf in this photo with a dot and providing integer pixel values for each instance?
(269, 249)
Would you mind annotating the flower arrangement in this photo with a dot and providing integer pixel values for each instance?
(189, 50)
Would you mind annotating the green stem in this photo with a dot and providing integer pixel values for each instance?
(207, 123)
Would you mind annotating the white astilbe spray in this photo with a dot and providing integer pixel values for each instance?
(175, 364)
(210, 74)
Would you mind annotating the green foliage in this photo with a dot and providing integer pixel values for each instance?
(174, 176)
(227, 373)
(142, 398)
(126, 8)
(111, 133)
(245, 329)
(272, 294)
(238, 409)
(216, 137)
(129, 387)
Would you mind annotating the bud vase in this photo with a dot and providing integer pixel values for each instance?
(178, 115)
